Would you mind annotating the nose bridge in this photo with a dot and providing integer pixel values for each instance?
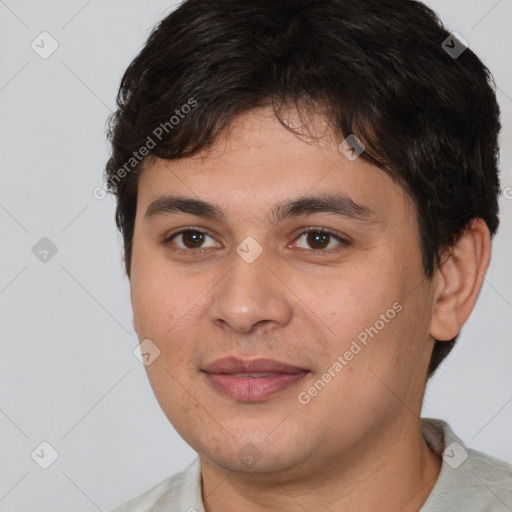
(250, 293)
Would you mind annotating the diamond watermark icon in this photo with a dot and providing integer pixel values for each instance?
(44, 45)
(45, 455)
(44, 250)
(351, 147)
(249, 455)
(146, 352)
(454, 45)
(249, 249)
(454, 455)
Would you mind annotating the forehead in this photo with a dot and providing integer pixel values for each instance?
(258, 165)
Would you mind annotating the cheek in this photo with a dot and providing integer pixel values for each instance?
(165, 306)
(355, 299)
(375, 322)
(158, 300)
(163, 309)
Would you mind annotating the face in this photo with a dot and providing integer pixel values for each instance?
(288, 301)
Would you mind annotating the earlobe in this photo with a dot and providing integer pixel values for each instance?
(459, 279)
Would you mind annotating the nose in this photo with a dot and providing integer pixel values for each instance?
(251, 295)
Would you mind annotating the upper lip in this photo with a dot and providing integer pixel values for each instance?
(230, 365)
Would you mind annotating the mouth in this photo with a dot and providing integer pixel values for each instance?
(251, 380)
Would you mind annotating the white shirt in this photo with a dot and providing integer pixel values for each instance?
(469, 481)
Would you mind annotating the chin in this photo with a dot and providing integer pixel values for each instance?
(253, 460)
(251, 450)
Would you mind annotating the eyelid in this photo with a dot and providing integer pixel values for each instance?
(343, 240)
(188, 228)
(167, 238)
(327, 231)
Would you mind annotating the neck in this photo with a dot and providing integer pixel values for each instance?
(397, 473)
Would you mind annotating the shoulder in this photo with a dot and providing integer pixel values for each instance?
(469, 480)
(168, 493)
(492, 473)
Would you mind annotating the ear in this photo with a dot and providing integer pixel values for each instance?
(458, 280)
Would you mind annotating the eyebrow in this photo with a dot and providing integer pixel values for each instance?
(332, 203)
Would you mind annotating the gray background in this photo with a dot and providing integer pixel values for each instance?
(68, 375)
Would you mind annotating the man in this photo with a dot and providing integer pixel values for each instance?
(307, 192)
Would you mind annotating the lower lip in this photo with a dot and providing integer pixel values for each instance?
(255, 389)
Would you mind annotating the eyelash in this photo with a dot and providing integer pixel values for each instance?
(319, 252)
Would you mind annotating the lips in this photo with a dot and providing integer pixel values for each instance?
(251, 380)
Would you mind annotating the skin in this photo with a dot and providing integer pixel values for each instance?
(357, 444)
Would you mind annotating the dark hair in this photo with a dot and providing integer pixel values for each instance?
(373, 68)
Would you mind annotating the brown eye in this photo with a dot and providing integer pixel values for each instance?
(320, 240)
(189, 240)
(192, 239)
